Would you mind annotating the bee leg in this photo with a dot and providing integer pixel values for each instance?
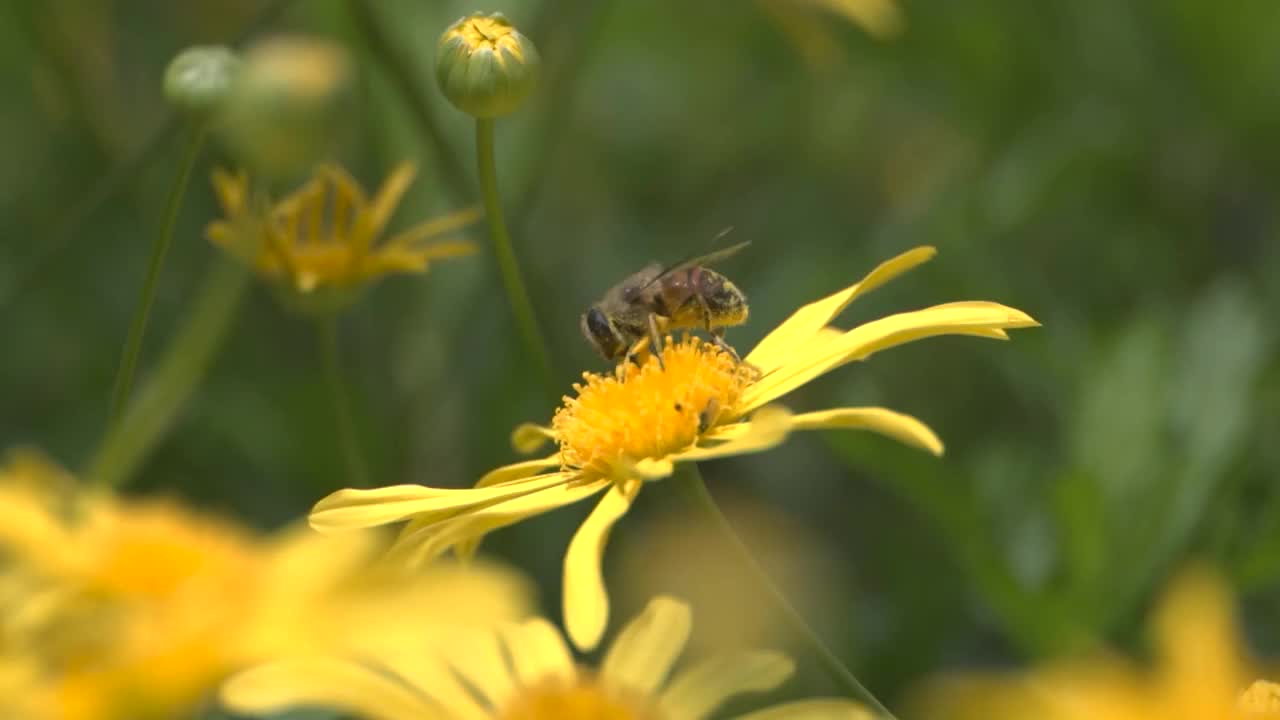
(655, 340)
(717, 337)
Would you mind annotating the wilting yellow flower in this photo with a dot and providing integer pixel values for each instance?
(321, 243)
(526, 672)
(1199, 672)
(630, 427)
(113, 608)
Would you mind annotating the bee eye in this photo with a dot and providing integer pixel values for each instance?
(598, 324)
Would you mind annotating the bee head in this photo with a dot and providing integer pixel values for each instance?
(602, 334)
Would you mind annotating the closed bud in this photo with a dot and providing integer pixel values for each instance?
(485, 66)
(200, 78)
(287, 106)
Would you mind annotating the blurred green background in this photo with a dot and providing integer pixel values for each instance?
(1109, 167)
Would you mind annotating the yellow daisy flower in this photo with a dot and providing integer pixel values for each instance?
(1199, 672)
(325, 235)
(629, 427)
(114, 608)
(526, 671)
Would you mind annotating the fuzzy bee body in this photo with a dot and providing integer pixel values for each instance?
(654, 300)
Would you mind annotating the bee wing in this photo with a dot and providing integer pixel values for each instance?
(625, 292)
(710, 258)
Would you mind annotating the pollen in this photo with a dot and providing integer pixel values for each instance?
(647, 411)
(584, 699)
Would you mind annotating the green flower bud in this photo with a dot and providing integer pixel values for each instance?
(288, 104)
(485, 66)
(199, 78)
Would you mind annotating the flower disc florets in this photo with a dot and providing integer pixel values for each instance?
(648, 411)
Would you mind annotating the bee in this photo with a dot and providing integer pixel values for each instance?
(655, 300)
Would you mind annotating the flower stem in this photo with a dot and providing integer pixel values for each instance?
(517, 295)
(689, 480)
(351, 455)
(160, 248)
(146, 420)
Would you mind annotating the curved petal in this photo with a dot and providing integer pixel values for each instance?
(351, 508)
(647, 648)
(387, 199)
(818, 709)
(479, 661)
(422, 540)
(431, 676)
(538, 652)
(698, 690)
(439, 226)
(329, 683)
(767, 428)
(773, 351)
(517, 471)
(968, 318)
(586, 602)
(901, 427)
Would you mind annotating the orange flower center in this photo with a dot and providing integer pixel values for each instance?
(648, 411)
(583, 700)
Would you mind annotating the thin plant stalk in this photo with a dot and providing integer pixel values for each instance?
(517, 294)
(351, 455)
(153, 410)
(689, 480)
(159, 249)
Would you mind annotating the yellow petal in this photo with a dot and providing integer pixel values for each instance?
(424, 539)
(1262, 699)
(345, 686)
(528, 437)
(231, 191)
(767, 428)
(388, 197)
(538, 652)
(424, 670)
(350, 508)
(586, 603)
(777, 346)
(644, 652)
(903, 428)
(978, 317)
(517, 471)
(698, 690)
(438, 226)
(818, 709)
(478, 659)
(881, 18)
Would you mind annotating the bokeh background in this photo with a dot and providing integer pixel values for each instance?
(1109, 167)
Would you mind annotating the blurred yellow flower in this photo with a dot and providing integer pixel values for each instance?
(325, 235)
(1199, 672)
(806, 23)
(632, 426)
(526, 672)
(115, 608)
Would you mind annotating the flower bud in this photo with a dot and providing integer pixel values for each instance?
(286, 107)
(485, 66)
(199, 78)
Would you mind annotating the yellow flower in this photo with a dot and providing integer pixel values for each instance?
(632, 426)
(1199, 672)
(807, 25)
(113, 608)
(526, 672)
(321, 242)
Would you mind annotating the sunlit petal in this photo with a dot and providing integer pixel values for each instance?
(699, 689)
(766, 429)
(538, 652)
(778, 346)
(823, 709)
(644, 652)
(901, 427)
(859, 343)
(586, 603)
(517, 471)
(324, 683)
(352, 508)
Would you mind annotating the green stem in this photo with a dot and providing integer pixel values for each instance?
(689, 480)
(185, 362)
(517, 295)
(351, 455)
(402, 73)
(160, 248)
